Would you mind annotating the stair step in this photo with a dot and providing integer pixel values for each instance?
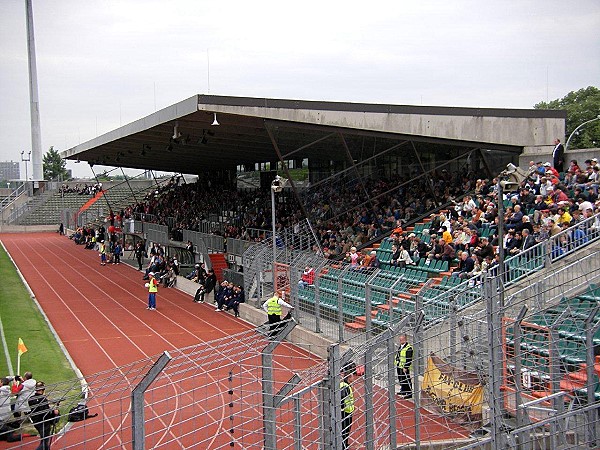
(355, 326)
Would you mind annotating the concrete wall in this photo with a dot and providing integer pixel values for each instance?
(516, 131)
(545, 154)
(28, 228)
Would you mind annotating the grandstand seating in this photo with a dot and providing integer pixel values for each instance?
(571, 344)
(46, 209)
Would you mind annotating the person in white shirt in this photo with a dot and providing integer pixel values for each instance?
(25, 390)
(5, 410)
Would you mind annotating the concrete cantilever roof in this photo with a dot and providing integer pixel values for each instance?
(248, 128)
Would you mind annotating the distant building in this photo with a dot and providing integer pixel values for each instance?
(10, 170)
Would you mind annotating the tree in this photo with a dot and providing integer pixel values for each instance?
(581, 106)
(54, 166)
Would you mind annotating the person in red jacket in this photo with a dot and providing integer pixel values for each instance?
(307, 278)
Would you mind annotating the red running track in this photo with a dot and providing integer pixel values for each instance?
(99, 312)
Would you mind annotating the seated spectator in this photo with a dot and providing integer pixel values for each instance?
(353, 258)
(224, 294)
(514, 219)
(514, 246)
(307, 278)
(199, 295)
(422, 248)
(194, 273)
(168, 277)
(527, 240)
(446, 251)
(373, 261)
(236, 298)
(446, 235)
(484, 249)
(466, 265)
(563, 216)
(403, 259)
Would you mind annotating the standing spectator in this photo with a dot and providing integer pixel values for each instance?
(175, 265)
(190, 248)
(140, 253)
(347, 405)
(152, 286)
(42, 416)
(211, 282)
(558, 155)
(117, 250)
(403, 362)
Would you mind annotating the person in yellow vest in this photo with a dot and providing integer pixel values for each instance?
(347, 395)
(403, 361)
(273, 309)
(152, 286)
(102, 250)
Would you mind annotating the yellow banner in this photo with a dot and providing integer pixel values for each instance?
(451, 389)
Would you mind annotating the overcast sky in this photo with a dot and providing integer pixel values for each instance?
(102, 64)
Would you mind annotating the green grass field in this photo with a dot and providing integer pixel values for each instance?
(22, 319)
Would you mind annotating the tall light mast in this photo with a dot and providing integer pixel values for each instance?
(34, 103)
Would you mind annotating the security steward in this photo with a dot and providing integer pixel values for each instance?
(347, 405)
(273, 309)
(42, 416)
(152, 286)
(403, 361)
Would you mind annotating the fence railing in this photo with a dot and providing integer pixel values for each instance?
(468, 387)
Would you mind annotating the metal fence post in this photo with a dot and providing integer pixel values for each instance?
(137, 401)
(491, 286)
(334, 438)
(269, 403)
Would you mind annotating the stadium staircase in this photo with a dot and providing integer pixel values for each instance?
(218, 264)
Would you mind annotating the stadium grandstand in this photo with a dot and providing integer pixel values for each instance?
(379, 224)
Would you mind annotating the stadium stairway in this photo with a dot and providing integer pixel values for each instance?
(218, 264)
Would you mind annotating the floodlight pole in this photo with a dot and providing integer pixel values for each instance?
(273, 231)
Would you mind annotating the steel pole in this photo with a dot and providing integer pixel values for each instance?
(274, 240)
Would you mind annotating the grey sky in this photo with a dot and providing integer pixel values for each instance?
(102, 64)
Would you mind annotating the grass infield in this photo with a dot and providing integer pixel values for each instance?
(22, 319)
